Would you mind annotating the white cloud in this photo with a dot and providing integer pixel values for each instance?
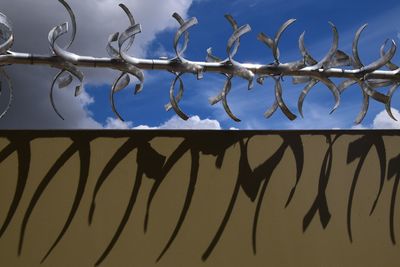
(175, 122)
(96, 20)
(112, 123)
(383, 121)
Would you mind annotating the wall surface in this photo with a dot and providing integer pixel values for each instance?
(199, 198)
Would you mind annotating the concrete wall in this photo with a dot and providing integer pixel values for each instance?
(199, 198)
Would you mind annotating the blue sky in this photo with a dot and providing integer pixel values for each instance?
(147, 108)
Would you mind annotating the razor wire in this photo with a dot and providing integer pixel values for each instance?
(307, 70)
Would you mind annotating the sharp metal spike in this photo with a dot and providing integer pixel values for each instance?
(234, 25)
(357, 62)
(303, 95)
(210, 57)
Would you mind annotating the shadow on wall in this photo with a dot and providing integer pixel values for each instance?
(252, 179)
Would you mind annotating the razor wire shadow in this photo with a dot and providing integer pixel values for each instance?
(253, 182)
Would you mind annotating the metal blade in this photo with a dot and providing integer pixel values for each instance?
(357, 62)
(389, 103)
(364, 109)
(303, 95)
(51, 93)
(6, 33)
(278, 35)
(120, 83)
(172, 99)
(306, 55)
(281, 103)
(225, 92)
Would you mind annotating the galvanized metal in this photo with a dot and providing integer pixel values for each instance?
(335, 64)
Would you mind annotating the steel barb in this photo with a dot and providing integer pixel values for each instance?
(307, 70)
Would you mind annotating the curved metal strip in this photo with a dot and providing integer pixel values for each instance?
(306, 55)
(6, 33)
(127, 35)
(265, 39)
(364, 109)
(51, 93)
(303, 95)
(111, 51)
(73, 22)
(172, 99)
(184, 27)
(389, 64)
(340, 59)
(210, 57)
(300, 79)
(372, 93)
(278, 35)
(78, 74)
(225, 92)
(235, 36)
(388, 105)
(56, 33)
(357, 62)
(382, 61)
(186, 37)
(64, 81)
(232, 21)
(326, 61)
(377, 83)
(346, 84)
(281, 103)
(234, 25)
(177, 98)
(11, 90)
(332, 87)
(131, 21)
(137, 73)
(271, 110)
(120, 83)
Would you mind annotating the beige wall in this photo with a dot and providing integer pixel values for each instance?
(220, 195)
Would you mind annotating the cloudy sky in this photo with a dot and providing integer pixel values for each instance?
(96, 20)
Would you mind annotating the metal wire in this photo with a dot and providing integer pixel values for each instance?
(335, 64)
